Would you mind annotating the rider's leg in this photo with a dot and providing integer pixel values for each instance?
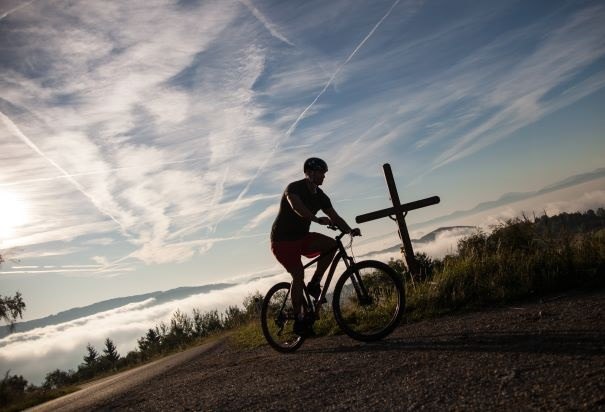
(298, 276)
(321, 243)
(288, 254)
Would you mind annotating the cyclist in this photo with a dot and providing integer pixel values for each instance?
(290, 236)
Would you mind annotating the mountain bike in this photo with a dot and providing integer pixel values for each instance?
(368, 301)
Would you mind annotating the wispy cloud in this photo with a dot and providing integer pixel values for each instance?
(142, 133)
(17, 132)
(127, 98)
(62, 270)
(270, 26)
(269, 212)
(15, 9)
(293, 126)
(528, 91)
(295, 123)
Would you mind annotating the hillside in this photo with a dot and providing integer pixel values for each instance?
(543, 354)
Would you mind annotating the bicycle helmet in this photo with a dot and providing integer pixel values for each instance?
(315, 163)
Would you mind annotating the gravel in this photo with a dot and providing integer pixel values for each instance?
(538, 355)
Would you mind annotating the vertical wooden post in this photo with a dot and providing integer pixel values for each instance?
(406, 250)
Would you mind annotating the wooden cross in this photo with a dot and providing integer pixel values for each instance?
(400, 211)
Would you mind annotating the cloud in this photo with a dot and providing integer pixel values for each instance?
(15, 9)
(16, 131)
(144, 151)
(270, 26)
(268, 213)
(293, 126)
(36, 352)
(445, 243)
(461, 105)
(529, 90)
(173, 121)
(590, 200)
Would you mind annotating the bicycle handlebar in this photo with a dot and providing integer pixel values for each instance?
(342, 232)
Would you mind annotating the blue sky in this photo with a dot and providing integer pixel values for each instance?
(144, 144)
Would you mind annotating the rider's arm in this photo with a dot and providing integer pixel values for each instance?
(337, 220)
(299, 207)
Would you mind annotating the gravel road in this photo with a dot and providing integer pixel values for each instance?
(545, 355)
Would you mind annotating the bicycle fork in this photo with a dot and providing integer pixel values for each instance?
(360, 289)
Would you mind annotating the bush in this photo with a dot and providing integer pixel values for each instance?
(518, 258)
(12, 389)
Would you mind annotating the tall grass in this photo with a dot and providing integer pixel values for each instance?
(519, 258)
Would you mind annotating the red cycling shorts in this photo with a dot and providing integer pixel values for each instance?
(288, 252)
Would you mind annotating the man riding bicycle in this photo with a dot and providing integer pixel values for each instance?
(290, 236)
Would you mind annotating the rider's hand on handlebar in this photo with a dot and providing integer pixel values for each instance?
(355, 232)
(323, 220)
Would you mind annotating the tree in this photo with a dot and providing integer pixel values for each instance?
(11, 389)
(252, 304)
(149, 344)
(92, 356)
(11, 307)
(58, 379)
(110, 353)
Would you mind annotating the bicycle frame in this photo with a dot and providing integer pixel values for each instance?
(341, 254)
(368, 301)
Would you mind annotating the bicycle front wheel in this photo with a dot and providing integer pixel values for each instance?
(369, 300)
(277, 319)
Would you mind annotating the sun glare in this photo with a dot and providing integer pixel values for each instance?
(13, 213)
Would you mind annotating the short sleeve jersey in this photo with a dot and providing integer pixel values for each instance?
(288, 225)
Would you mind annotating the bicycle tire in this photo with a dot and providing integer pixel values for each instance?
(277, 319)
(377, 318)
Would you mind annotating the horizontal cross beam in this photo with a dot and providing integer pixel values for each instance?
(404, 208)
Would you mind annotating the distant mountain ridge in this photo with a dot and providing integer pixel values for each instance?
(81, 312)
(429, 237)
(517, 196)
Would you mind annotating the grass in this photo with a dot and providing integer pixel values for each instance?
(37, 397)
(518, 259)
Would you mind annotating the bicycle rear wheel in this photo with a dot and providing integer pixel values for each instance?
(369, 300)
(277, 319)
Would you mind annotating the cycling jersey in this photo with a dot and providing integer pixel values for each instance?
(288, 225)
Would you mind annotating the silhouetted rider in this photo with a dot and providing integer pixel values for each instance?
(290, 236)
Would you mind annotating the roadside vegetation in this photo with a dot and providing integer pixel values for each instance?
(181, 332)
(517, 259)
(11, 307)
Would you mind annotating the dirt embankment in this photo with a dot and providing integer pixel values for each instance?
(537, 355)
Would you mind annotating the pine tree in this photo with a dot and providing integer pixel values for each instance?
(110, 353)
(92, 356)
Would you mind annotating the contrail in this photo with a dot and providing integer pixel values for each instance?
(13, 127)
(268, 25)
(292, 128)
(14, 9)
(97, 172)
(359, 46)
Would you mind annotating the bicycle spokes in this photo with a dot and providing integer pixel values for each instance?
(277, 319)
(361, 290)
(368, 301)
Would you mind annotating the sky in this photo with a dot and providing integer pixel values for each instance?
(144, 145)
